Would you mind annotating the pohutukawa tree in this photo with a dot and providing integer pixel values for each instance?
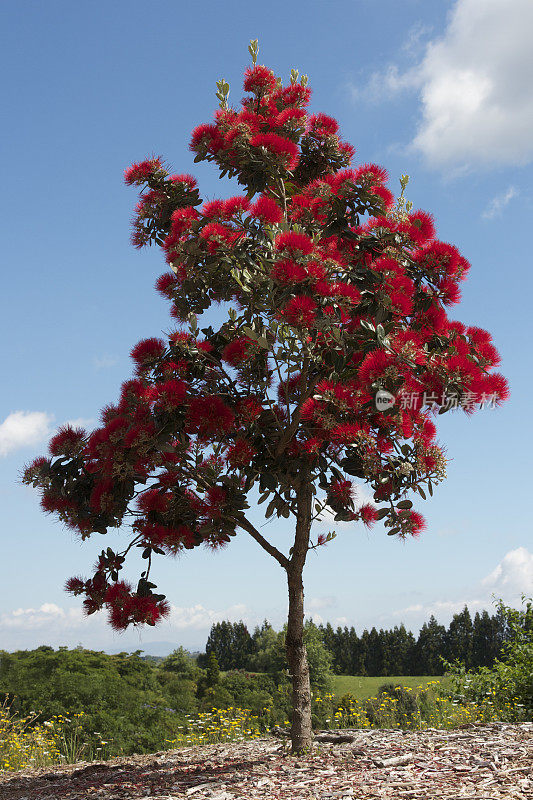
(331, 292)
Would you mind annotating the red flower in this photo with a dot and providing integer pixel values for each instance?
(208, 136)
(294, 95)
(267, 210)
(117, 592)
(420, 227)
(345, 433)
(496, 386)
(341, 492)
(413, 520)
(210, 416)
(371, 174)
(478, 335)
(323, 125)
(368, 514)
(259, 80)
(240, 454)
(211, 209)
(347, 291)
(75, 586)
(101, 496)
(292, 117)
(385, 195)
(374, 365)
(52, 504)
(279, 146)
(139, 173)
(237, 351)
(147, 351)
(166, 285)
(294, 242)
(427, 431)
(313, 445)
(300, 311)
(234, 205)
(186, 180)
(249, 409)
(449, 291)
(172, 393)
(217, 235)
(153, 500)
(438, 257)
(288, 272)
(67, 441)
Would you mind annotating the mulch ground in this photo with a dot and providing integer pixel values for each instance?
(486, 762)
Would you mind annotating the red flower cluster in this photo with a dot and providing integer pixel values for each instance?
(209, 415)
(300, 311)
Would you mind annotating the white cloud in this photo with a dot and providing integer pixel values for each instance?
(513, 575)
(47, 616)
(498, 203)
(386, 84)
(22, 429)
(51, 624)
(511, 578)
(104, 362)
(475, 86)
(321, 603)
(200, 618)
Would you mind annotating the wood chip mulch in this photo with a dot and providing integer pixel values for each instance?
(486, 762)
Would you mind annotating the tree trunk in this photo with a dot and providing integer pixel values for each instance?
(301, 731)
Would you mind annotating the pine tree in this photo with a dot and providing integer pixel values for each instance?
(458, 640)
(430, 646)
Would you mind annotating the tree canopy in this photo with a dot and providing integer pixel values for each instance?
(334, 355)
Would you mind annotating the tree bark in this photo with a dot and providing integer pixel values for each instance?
(301, 730)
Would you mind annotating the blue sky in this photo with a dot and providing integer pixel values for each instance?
(439, 91)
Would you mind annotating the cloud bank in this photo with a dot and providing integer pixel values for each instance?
(474, 84)
(22, 429)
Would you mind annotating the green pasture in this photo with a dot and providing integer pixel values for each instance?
(364, 687)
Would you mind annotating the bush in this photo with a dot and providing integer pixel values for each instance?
(507, 687)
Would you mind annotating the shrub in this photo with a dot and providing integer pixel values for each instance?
(507, 687)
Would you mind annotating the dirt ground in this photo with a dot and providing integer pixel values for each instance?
(486, 762)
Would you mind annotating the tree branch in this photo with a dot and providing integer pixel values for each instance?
(254, 533)
(293, 427)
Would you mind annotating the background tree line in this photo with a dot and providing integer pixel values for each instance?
(476, 642)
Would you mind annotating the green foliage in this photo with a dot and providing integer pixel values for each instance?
(508, 685)
(182, 663)
(119, 695)
(405, 703)
(271, 656)
(231, 643)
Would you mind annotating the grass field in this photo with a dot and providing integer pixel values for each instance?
(363, 688)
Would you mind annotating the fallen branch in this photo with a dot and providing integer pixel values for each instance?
(320, 736)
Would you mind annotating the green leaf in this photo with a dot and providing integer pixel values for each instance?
(271, 507)
(250, 333)
(404, 504)
(382, 513)
(269, 480)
